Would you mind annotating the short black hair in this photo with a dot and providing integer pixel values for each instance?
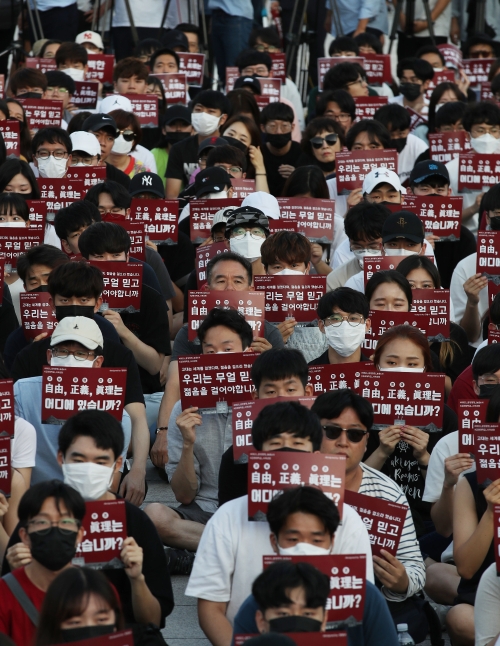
(231, 319)
(374, 129)
(331, 405)
(271, 586)
(343, 44)
(76, 278)
(493, 410)
(103, 428)
(227, 155)
(33, 499)
(71, 52)
(347, 299)
(365, 220)
(430, 49)
(51, 136)
(339, 76)
(449, 113)
(229, 256)
(103, 237)
(58, 78)
(422, 69)
(279, 364)
(308, 500)
(47, 44)
(189, 28)
(146, 46)
(388, 276)
(267, 35)
(212, 99)
(366, 39)
(253, 57)
(482, 112)
(75, 216)
(12, 167)
(277, 110)
(420, 262)
(286, 417)
(486, 361)
(43, 254)
(163, 52)
(393, 117)
(307, 179)
(342, 98)
(119, 195)
(76, 122)
(16, 202)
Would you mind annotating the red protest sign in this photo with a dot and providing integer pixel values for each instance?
(435, 303)
(496, 534)
(416, 119)
(121, 638)
(366, 106)
(135, 231)
(493, 290)
(493, 336)
(14, 241)
(382, 320)
(244, 415)
(145, 108)
(37, 214)
(270, 474)
(159, 217)
(445, 146)
(203, 256)
(122, 285)
(282, 225)
(314, 216)
(470, 413)
(86, 95)
(485, 92)
(374, 264)
(347, 574)
(336, 638)
(249, 304)
(270, 87)
(262, 101)
(42, 64)
(440, 215)
(104, 530)
(232, 73)
(487, 452)
(89, 176)
(384, 520)
(60, 192)
(477, 69)
(42, 113)
(7, 418)
(215, 380)
(443, 76)
(201, 215)
(67, 391)
(324, 64)
(278, 70)
(354, 165)
(291, 296)
(100, 68)
(377, 68)
(11, 134)
(192, 65)
(451, 54)
(174, 86)
(488, 255)
(329, 377)
(5, 465)
(37, 314)
(477, 172)
(242, 188)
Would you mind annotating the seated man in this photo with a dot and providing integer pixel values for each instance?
(28, 83)
(478, 380)
(164, 61)
(72, 59)
(61, 87)
(104, 129)
(230, 552)
(381, 186)
(415, 76)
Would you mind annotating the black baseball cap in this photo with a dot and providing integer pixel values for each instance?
(173, 38)
(176, 112)
(147, 183)
(403, 224)
(212, 142)
(248, 81)
(425, 169)
(100, 122)
(211, 180)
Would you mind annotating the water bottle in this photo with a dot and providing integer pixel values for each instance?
(404, 637)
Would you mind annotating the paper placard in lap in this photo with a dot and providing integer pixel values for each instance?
(159, 217)
(441, 216)
(445, 146)
(37, 314)
(204, 255)
(354, 165)
(291, 296)
(122, 284)
(105, 529)
(470, 413)
(5, 465)
(201, 215)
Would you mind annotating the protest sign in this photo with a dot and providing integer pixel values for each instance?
(37, 314)
(291, 296)
(104, 530)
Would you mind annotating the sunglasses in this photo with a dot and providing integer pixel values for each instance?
(331, 140)
(128, 135)
(333, 432)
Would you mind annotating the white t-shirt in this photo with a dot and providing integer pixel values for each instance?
(147, 14)
(229, 556)
(408, 156)
(15, 289)
(342, 254)
(469, 196)
(399, 100)
(340, 200)
(146, 156)
(486, 615)
(464, 270)
(23, 445)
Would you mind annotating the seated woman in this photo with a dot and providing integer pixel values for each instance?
(322, 139)
(129, 137)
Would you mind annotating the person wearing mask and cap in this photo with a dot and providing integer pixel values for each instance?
(91, 40)
(213, 183)
(147, 186)
(203, 151)
(249, 83)
(381, 185)
(246, 230)
(175, 126)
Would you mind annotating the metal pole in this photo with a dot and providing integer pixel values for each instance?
(429, 21)
(135, 35)
(395, 22)
(38, 19)
(164, 17)
(336, 18)
(480, 16)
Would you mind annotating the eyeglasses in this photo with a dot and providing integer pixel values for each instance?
(57, 154)
(333, 432)
(284, 127)
(59, 90)
(113, 211)
(330, 140)
(88, 161)
(255, 71)
(65, 525)
(267, 48)
(80, 355)
(490, 380)
(337, 319)
(128, 135)
(232, 169)
(481, 53)
(343, 117)
(238, 233)
(360, 81)
(374, 246)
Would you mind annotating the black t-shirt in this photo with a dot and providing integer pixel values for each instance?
(8, 317)
(179, 258)
(273, 162)
(117, 175)
(461, 352)
(30, 361)
(150, 325)
(191, 284)
(323, 360)
(154, 565)
(183, 159)
(449, 253)
(148, 275)
(233, 478)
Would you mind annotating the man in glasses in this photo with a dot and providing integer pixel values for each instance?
(61, 87)
(346, 419)
(349, 77)
(52, 149)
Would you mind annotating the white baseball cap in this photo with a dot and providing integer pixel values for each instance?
(86, 142)
(89, 37)
(80, 329)
(265, 202)
(115, 102)
(382, 175)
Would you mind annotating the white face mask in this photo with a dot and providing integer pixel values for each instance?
(400, 252)
(205, 124)
(401, 369)
(289, 272)
(247, 247)
(221, 195)
(79, 165)
(70, 362)
(345, 339)
(52, 168)
(76, 75)
(361, 253)
(485, 144)
(438, 106)
(122, 147)
(89, 479)
(5, 225)
(304, 549)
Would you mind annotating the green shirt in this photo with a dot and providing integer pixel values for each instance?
(161, 158)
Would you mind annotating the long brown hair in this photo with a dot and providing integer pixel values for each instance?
(405, 332)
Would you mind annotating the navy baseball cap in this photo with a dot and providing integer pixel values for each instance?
(147, 182)
(425, 169)
(100, 122)
(211, 180)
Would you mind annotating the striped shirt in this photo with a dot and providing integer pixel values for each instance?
(378, 485)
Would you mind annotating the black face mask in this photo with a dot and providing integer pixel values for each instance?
(410, 91)
(399, 144)
(174, 137)
(53, 550)
(86, 632)
(279, 141)
(495, 223)
(62, 311)
(236, 143)
(486, 390)
(326, 167)
(294, 624)
(40, 288)
(29, 95)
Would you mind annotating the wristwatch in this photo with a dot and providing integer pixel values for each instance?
(161, 428)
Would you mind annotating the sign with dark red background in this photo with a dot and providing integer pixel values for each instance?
(291, 296)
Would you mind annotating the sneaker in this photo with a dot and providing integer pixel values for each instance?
(179, 561)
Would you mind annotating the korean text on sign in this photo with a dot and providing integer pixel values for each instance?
(353, 166)
(159, 217)
(291, 296)
(37, 314)
(122, 284)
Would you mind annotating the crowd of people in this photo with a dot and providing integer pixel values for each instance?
(270, 165)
